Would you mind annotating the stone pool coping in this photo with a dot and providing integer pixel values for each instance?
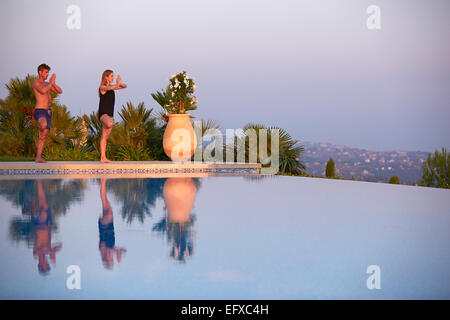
(125, 169)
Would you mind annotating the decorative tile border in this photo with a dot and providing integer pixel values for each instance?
(120, 171)
(125, 169)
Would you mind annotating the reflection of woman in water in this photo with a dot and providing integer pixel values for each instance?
(43, 243)
(106, 229)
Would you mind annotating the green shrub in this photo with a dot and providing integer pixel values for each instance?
(129, 153)
(19, 130)
(394, 180)
(178, 96)
(330, 170)
(289, 151)
(58, 153)
(436, 170)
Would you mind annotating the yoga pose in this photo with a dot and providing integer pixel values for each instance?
(42, 112)
(106, 107)
(107, 244)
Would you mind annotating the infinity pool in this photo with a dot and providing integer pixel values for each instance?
(223, 238)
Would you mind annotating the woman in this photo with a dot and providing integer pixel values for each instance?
(106, 107)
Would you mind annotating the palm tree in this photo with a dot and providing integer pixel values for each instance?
(64, 127)
(436, 170)
(18, 129)
(207, 125)
(139, 137)
(289, 151)
(156, 135)
(136, 121)
(94, 131)
(17, 134)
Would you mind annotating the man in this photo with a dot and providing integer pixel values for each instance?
(42, 112)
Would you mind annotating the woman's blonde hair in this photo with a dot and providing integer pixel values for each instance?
(103, 82)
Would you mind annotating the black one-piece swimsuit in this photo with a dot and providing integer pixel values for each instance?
(106, 104)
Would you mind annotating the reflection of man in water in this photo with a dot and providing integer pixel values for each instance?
(106, 229)
(43, 244)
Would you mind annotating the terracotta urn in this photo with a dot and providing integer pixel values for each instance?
(179, 139)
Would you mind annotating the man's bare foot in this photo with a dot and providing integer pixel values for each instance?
(40, 160)
(105, 160)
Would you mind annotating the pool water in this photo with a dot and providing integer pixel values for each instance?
(274, 237)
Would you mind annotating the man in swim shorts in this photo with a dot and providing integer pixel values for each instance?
(42, 112)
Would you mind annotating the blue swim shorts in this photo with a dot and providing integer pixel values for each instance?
(47, 114)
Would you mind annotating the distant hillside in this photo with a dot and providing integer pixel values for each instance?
(375, 166)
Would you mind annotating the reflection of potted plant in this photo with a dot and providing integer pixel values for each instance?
(179, 139)
(179, 198)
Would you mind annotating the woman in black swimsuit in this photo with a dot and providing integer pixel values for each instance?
(106, 107)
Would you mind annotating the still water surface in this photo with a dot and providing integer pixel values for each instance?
(222, 238)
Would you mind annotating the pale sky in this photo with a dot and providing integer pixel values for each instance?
(311, 67)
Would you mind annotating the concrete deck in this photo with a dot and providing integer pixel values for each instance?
(124, 169)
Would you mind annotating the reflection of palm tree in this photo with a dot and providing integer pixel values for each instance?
(63, 193)
(107, 241)
(26, 197)
(179, 235)
(60, 195)
(179, 197)
(137, 196)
